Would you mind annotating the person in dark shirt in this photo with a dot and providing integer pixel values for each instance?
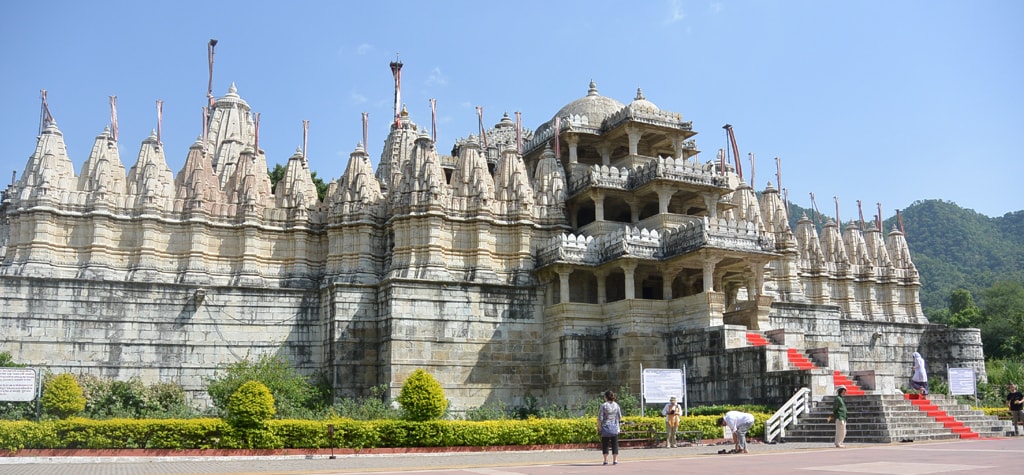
(1015, 402)
(839, 416)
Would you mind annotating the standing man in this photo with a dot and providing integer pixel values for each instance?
(672, 412)
(1015, 402)
(839, 416)
(739, 423)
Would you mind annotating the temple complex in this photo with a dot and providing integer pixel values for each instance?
(551, 263)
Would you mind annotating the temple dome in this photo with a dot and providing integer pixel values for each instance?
(641, 102)
(595, 107)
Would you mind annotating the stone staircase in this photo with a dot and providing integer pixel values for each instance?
(800, 360)
(897, 418)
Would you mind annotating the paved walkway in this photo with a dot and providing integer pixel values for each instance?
(919, 458)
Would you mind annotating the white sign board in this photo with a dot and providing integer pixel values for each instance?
(661, 384)
(961, 381)
(17, 384)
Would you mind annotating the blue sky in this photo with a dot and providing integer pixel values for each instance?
(878, 101)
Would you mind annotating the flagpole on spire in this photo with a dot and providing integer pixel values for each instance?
(113, 118)
(879, 219)
(433, 120)
(209, 85)
(558, 141)
(45, 119)
(305, 138)
(483, 133)
(778, 172)
(839, 221)
(159, 121)
(753, 184)
(396, 72)
(256, 133)
(860, 211)
(366, 123)
(519, 132)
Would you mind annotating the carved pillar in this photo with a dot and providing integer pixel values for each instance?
(628, 268)
(755, 280)
(709, 273)
(634, 139)
(573, 216)
(563, 284)
(606, 154)
(634, 209)
(573, 140)
(711, 203)
(664, 198)
(602, 292)
(598, 199)
(666, 285)
(677, 145)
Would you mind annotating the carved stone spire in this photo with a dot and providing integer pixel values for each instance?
(472, 185)
(513, 192)
(197, 188)
(150, 181)
(358, 191)
(549, 186)
(49, 170)
(296, 189)
(832, 244)
(103, 174)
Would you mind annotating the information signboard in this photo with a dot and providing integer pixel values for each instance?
(661, 384)
(17, 384)
(961, 381)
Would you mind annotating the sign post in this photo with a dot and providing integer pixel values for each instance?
(658, 385)
(20, 385)
(962, 382)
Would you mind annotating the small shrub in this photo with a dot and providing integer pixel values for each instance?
(422, 397)
(250, 406)
(62, 397)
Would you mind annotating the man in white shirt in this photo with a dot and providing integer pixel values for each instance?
(739, 423)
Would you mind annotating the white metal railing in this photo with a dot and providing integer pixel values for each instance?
(775, 426)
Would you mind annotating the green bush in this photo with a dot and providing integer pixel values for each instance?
(295, 396)
(62, 397)
(107, 398)
(250, 406)
(372, 407)
(422, 397)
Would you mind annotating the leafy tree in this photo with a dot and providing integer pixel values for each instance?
(422, 397)
(963, 311)
(62, 397)
(294, 395)
(1003, 331)
(251, 405)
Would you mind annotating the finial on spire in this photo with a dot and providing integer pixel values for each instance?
(592, 91)
(639, 95)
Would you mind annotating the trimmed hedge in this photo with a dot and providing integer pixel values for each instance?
(77, 433)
